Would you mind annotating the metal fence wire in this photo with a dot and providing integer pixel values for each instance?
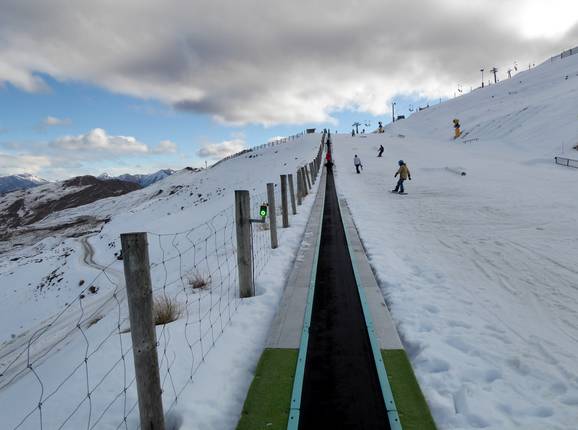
(76, 371)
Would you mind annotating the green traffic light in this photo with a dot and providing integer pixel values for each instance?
(263, 211)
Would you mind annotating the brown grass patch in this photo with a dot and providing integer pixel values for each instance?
(166, 310)
(198, 282)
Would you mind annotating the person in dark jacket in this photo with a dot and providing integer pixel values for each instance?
(357, 163)
(404, 174)
(380, 151)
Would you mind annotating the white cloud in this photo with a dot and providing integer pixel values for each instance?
(51, 121)
(220, 150)
(165, 147)
(86, 154)
(22, 163)
(277, 62)
(97, 140)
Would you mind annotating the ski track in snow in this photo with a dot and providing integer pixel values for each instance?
(479, 270)
(39, 343)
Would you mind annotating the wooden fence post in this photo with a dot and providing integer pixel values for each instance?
(139, 294)
(312, 170)
(244, 249)
(307, 176)
(284, 203)
(299, 188)
(272, 214)
(304, 182)
(292, 194)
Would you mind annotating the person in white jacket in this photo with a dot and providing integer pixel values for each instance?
(357, 163)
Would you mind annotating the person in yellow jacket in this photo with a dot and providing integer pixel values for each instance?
(457, 130)
(404, 174)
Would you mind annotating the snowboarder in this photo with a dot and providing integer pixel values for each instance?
(457, 130)
(357, 163)
(380, 151)
(380, 129)
(404, 174)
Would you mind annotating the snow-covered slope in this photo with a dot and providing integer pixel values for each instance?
(533, 113)
(480, 270)
(53, 320)
(19, 182)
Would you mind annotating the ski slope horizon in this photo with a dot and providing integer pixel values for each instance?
(478, 270)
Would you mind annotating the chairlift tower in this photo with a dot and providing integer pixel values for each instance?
(494, 71)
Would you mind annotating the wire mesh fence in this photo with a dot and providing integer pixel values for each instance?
(76, 370)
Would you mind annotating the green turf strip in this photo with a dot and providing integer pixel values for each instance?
(411, 406)
(268, 400)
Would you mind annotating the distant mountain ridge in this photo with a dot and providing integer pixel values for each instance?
(21, 181)
(142, 180)
(26, 181)
(27, 206)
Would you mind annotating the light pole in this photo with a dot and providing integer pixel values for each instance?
(392, 111)
(482, 70)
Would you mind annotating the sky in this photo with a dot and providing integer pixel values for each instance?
(135, 86)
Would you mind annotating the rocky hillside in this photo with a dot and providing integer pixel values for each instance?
(25, 207)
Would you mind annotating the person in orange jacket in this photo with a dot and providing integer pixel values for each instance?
(404, 174)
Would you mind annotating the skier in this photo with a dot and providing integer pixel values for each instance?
(380, 151)
(380, 129)
(357, 163)
(404, 174)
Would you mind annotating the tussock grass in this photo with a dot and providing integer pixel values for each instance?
(166, 310)
(198, 282)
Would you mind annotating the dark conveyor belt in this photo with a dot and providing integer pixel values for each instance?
(340, 388)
